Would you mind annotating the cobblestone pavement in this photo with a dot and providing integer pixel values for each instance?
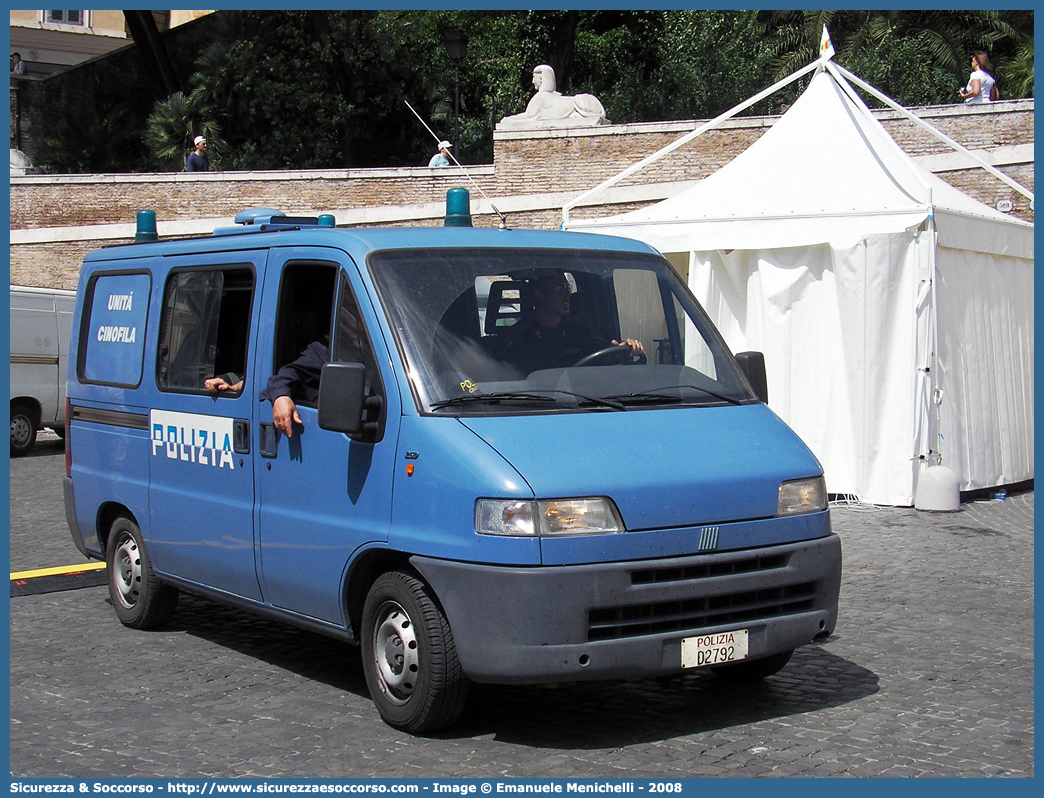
(930, 673)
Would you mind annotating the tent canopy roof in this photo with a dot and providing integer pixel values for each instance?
(827, 171)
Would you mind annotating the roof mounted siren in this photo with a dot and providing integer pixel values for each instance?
(269, 217)
(458, 208)
(145, 228)
(262, 220)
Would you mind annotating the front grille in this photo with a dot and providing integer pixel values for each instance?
(744, 566)
(693, 615)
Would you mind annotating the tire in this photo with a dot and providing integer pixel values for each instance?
(753, 670)
(409, 657)
(23, 429)
(141, 601)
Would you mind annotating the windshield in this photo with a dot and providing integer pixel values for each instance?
(488, 331)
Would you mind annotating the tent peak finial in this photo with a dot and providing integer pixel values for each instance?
(826, 47)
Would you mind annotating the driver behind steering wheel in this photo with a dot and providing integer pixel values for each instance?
(548, 338)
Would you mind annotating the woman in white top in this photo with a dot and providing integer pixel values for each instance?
(980, 84)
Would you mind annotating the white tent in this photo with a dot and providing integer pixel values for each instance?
(895, 312)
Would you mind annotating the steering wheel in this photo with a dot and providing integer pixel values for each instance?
(613, 354)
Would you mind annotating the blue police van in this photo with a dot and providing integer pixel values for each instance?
(460, 509)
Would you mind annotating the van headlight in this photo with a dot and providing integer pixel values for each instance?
(800, 496)
(595, 515)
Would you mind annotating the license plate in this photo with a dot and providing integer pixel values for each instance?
(716, 649)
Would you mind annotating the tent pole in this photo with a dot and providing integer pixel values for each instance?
(935, 400)
(939, 135)
(933, 348)
(684, 140)
(930, 453)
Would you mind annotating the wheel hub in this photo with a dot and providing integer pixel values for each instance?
(127, 577)
(395, 653)
(20, 430)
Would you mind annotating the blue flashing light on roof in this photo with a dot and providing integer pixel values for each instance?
(260, 220)
(256, 215)
(145, 229)
(458, 208)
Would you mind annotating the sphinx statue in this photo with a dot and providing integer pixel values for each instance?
(549, 108)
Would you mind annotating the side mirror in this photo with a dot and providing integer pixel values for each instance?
(342, 388)
(752, 364)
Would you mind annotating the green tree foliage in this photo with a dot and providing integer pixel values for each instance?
(173, 125)
(915, 57)
(907, 75)
(325, 89)
(710, 61)
(268, 84)
(1015, 72)
(92, 138)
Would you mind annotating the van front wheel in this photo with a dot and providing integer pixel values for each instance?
(141, 601)
(23, 429)
(409, 657)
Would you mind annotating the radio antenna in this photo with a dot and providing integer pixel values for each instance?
(503, 219)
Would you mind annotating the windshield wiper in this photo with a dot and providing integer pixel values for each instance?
(602, 401)
(657, 395)
(524, 396)
(647, 397)
(492, 398)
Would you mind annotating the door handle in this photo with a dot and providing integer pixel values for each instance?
(269, 446)
(241, 436)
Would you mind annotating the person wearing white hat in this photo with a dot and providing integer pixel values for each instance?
(198, 160)
(441, 158)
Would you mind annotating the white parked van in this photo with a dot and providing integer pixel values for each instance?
(40, 319)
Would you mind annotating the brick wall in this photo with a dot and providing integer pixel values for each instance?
(56, 219)
(43, 202)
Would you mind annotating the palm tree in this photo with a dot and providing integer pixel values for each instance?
(947, 36)
(173, 124)
(794, 36)
(1015, 75)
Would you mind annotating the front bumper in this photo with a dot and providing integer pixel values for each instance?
(627, 619)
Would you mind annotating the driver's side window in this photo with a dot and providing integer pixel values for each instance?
(352, 344)
(351, 339)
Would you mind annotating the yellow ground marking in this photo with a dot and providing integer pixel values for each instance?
(61, 569)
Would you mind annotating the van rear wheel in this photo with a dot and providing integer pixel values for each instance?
(409, 657)
(141, 601)
(23, 429)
